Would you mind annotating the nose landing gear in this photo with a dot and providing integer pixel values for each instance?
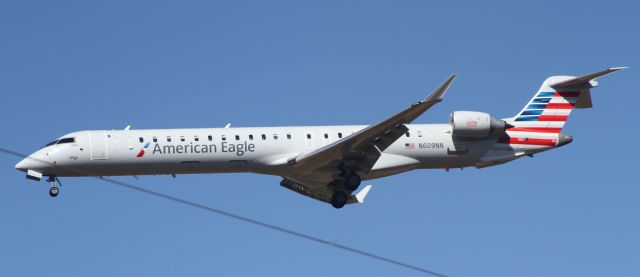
(53, 191)
(54, 181)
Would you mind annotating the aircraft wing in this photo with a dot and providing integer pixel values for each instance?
(359, 151)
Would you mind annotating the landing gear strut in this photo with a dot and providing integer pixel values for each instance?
(54, 190)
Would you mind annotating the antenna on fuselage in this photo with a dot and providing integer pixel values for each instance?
(127, 128)
(228, 125)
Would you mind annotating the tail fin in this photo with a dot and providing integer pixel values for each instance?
(551, 106)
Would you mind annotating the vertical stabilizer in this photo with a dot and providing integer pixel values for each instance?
(552, 104)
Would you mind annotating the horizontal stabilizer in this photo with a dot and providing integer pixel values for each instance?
(585, 80)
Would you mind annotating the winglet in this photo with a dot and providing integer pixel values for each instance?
(586, 79)
(362, 194)
(438, 94)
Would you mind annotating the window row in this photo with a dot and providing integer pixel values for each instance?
(237, 137)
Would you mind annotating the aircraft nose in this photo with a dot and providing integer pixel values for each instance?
(564, 139)
(31, 163)
(23, 165)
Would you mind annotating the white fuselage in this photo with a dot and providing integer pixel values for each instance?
(259, 150)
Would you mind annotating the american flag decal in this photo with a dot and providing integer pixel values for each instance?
(409, 145)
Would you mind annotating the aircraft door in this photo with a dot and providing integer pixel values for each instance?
(98, 145)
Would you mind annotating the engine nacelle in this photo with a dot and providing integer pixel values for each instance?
(475, 124)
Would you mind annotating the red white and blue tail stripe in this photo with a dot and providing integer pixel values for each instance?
(547, 112)
(542, 119)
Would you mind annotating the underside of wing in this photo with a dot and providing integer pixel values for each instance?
(321, 192)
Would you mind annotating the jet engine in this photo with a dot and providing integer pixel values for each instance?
(475, 124)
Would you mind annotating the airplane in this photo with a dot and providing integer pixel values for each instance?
(326, 163)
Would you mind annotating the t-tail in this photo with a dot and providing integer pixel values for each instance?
(541, 121)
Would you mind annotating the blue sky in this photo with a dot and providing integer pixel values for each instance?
(68, 66)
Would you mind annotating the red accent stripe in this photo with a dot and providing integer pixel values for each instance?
(568, 94)
(553, 118)
(568, 106)
(536, 129)
(528, 141)
(140, 154)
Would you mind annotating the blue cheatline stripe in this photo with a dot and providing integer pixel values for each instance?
(541, 100)
(536, 106)
(527, 118)
(532, 112)
(546, 94)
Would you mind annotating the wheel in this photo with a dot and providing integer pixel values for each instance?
(53, 191)
(339, 199)
(352, 182)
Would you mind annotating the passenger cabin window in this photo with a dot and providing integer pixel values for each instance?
(420, 134)
(326, 136)
(288, 136)
(224, 137)
(250, 137)
(195, 138)
(155, 139)
(264, 137)
(168, 139)
(141, 139)
(407, 134)
(308, 136)
(66, 140)
(275, 136)
(237, 137)
(210, 137)
(181, 138)
(339, 135)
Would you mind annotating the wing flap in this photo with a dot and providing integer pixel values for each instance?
(321, 194)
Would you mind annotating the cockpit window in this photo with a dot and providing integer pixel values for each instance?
(66, 140)
(50, 143)
(60, 141)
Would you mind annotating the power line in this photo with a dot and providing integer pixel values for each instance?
(237, 217)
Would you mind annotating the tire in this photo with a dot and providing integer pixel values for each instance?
(339, 199)
(53, 191)
(352, 182)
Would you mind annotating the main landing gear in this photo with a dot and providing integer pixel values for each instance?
(350, 182)
(54, 190)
